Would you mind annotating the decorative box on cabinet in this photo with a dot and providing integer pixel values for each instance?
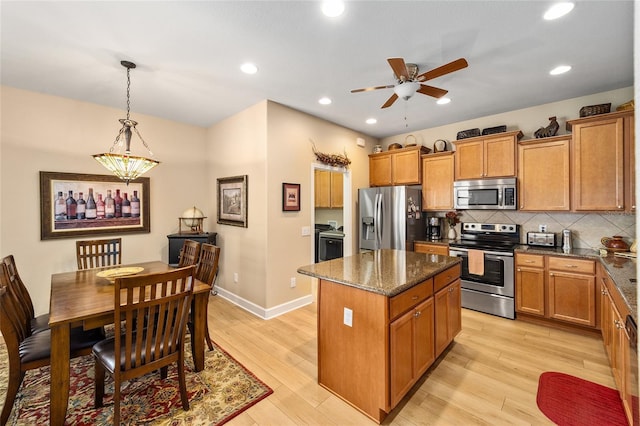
(177, 240)
(486, 156)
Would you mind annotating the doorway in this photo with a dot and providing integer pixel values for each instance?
(328, 214)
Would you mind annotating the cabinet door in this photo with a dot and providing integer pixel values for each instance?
(469, 160)
(406, 168)
(543, 176)
(431, 248)
(530, 290)
(572, 298)
(606, 319)
(423, 345)
(401, 343)
(322, 188)
(448, 316)
(499, 157)
(598, 165)
(437, 182)
(336, 197)
(380, 170)
(455, 309)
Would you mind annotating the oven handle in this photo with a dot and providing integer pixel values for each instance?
(463, 252)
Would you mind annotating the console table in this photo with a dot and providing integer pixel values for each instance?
(177, 240)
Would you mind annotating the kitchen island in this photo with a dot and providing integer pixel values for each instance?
(383, 319)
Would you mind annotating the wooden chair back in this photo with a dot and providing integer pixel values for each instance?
(21, 293)
(189, 253)
(98, 253)
(155, 309)
(207, 268)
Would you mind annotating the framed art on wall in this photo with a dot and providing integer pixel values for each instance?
(291, 197)
(232, 200)
(79, 205)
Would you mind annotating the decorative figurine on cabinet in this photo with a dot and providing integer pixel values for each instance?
(550, 130)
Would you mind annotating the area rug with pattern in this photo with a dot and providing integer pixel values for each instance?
(224, 389)
(572, 401)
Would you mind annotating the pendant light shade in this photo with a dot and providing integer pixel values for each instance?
(119, 160)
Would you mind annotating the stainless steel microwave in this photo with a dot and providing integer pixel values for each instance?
(485, 194)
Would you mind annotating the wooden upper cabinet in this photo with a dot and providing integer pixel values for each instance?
(328, 189)
(544, 174)
(397, 167)
(597, 161)
(486, 156)
(437, 181)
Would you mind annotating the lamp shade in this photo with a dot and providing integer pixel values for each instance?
(406, 90)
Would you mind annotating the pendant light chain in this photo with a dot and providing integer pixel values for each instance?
(128, 91)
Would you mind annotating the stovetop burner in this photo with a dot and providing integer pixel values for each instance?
(488, 236)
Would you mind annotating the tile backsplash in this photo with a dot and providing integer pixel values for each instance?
(587, 228)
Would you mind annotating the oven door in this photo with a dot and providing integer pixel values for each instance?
(498, 272)
(330, 248)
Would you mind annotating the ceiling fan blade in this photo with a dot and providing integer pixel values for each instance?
(399, 68)
(456, 65)
(390, 101)
(368, 89)
(432, 91)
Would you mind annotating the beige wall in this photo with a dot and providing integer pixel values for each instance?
(49, 133)
(271, 143)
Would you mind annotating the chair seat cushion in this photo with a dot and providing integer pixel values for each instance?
(38, 346)
(40, 323)
(105, 352)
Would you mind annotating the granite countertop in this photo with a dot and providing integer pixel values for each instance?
(387, 272)
(621, 269)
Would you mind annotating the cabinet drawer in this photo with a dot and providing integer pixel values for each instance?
(431, 248)
(570, 264)
(445, 277)
(531, 260)
(408, 299)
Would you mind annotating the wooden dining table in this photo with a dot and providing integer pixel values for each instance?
(82, 298)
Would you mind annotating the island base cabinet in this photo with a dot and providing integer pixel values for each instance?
(411, 348)
(448, 315)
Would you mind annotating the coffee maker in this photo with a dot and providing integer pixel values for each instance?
(434, 228)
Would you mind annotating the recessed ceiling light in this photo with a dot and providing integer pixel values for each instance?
(560, 70)
(332, 8)
(371, 121)
(443, 101)
(558, 10)
(324, 101)
(249, 68)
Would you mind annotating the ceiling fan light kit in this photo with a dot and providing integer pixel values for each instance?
(408, 82)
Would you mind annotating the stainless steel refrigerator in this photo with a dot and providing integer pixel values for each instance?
(390, 217)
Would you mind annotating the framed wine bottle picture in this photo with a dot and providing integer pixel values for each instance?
(74, 205)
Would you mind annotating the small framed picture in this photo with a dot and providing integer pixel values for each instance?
(232, 200)
(291, 197)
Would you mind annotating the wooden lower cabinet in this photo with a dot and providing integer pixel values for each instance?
(557, 288)
(422, 247)
(616, 340)
(448, 315)
(411, 348)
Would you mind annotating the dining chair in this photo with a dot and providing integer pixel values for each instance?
(26, 350)
(189, 253)
(98, 253)
(206, 271)
(23, 299)
(141, 345)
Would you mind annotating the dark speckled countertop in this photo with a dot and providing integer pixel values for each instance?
(621, 269)
(387, 272)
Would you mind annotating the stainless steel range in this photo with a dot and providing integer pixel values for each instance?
(487, 276)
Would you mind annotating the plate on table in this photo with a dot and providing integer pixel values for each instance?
(112, 274)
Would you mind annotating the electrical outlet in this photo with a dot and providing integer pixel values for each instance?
(235, 277)
(542, 228)
(348, 317)
(293, 282)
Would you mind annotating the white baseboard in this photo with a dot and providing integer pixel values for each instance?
(261, 312)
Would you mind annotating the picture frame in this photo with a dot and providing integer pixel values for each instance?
(55, 222)
(291, 197)
(232, 200)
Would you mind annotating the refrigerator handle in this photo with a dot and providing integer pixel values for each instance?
(378, 216)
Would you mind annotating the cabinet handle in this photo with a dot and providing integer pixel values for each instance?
(528, 261)
(551, 274)
(417, 314)
(620, 207)
(519, 270)
(414, 298)
(521, 206)
(571, 266)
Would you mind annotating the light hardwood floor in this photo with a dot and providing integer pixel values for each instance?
(488, 376)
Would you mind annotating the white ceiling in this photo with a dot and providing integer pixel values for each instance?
(189, 53)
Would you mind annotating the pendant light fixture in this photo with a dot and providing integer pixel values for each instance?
(119, 160)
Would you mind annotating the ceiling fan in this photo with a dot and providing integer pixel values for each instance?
(409, 82)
